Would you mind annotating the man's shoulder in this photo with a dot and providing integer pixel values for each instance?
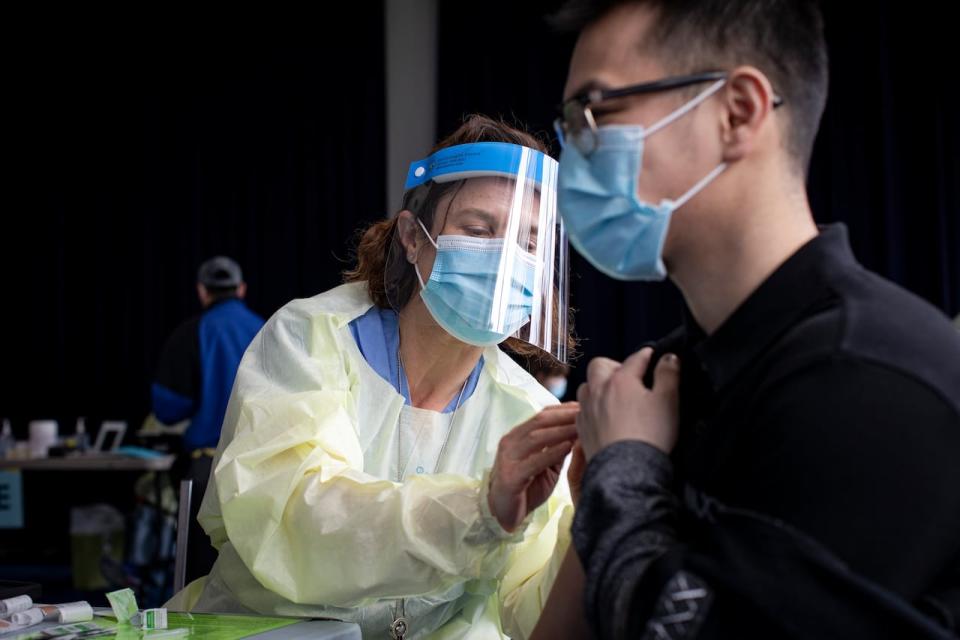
(865, 327)
(873, 325)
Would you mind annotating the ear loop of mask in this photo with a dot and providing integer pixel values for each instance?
(416, 267)
(682, 111)
(700, 186)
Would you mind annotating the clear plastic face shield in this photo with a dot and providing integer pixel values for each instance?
(480, 242)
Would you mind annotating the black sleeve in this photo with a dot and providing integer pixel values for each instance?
(624, 520)
(860, 458)
(178, 369)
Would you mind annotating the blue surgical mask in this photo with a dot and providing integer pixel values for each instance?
(461, 293)
(557, 386)
(618, 233)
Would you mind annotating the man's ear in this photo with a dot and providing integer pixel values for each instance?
(748, 100)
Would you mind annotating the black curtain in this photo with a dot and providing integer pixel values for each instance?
(143, 148)
(886, 162)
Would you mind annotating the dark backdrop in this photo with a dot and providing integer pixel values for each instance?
(143, 149)
(139, 152)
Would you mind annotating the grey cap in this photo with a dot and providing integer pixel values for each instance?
(220, 272)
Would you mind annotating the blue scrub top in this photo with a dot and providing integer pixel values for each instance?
(377, 333)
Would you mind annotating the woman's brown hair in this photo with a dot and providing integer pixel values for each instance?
(373, 248)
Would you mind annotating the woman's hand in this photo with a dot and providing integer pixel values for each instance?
(529, 462)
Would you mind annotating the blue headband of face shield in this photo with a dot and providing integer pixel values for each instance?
(478, 159)
(481, 290)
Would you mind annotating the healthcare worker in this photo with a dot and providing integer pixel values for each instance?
(382, 460)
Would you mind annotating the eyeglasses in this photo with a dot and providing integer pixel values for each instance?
(577, 124)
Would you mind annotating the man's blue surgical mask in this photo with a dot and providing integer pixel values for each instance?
(619, 234)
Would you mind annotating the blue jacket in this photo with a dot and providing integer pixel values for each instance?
(197, 367)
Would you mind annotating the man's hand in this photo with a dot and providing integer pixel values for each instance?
(615, 405)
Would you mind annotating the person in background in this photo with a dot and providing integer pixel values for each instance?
(551, 374)
(194, 378)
